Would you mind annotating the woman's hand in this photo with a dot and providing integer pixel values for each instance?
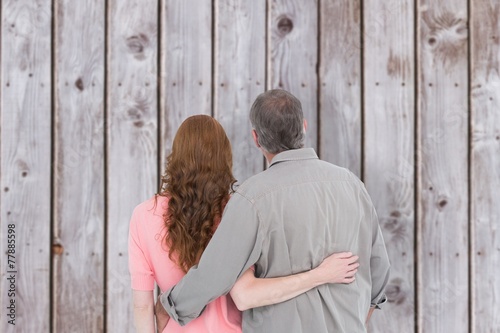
(162, 316)
(337, 268)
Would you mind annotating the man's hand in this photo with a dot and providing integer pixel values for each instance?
(162, 316)
(337, 268)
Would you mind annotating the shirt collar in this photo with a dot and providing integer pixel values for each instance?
(294, 155)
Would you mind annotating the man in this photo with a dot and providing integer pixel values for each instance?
(286, 220)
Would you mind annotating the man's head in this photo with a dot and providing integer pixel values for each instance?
(278, 121)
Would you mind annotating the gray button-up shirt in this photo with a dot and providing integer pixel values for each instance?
(286, 220)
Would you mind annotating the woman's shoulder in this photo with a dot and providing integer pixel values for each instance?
(154, 206)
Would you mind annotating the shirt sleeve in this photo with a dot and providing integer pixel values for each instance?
(379, 264)
(235, 246)
(141, 274)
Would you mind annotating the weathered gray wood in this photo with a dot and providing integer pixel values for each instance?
(389, 105)
(293, 55)
(294, 29)
(132, 140)
(485, 164)
(240, 77)
(340, 87)
(25, 164)
(186, 65)
(79, 174)
(443, 172)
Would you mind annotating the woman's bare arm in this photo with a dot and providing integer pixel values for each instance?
(143, 311)
(250, 292)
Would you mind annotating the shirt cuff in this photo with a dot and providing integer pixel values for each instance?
(169, 305)
(381, 301)
(142, 282)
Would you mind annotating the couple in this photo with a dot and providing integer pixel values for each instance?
(268, 250)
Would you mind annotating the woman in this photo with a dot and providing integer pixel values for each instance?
(169, 232)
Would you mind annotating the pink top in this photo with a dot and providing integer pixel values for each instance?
(149, 262)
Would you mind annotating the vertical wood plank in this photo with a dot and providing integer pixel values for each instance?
(485, 166)
(186, 65)
(79, 200)
(240, 77)
(132, 139)
(389, 106)
(293, 55)
(443, 173)
(340, 88)
(25, 150)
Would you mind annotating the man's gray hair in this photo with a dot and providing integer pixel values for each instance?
(276, 115)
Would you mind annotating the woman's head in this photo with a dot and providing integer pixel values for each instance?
(201, 144)
(198, 180)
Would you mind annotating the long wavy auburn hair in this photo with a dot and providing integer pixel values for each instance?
(198, 181)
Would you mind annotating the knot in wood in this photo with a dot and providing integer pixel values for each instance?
(57, 249)
(285, 25)
(448, 38)
(395, 214)
(394, 223)
(395, 291)
(79, 84)
(136, 45)
(135, 113)
(442, 202)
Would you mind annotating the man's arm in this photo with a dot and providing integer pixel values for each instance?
(379, 264)
(250, 292)
(235, 246)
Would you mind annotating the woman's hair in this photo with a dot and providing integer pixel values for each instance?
(198, 180)
(276, 115)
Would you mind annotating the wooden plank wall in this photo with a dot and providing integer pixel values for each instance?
(79, 177)
(389, 131)
(484, 138)
(132, 138)
(442, 114)
(25, 169)
(405, 93)
(239, 69)
(339, 77)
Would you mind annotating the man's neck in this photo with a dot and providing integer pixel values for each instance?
(269, 157)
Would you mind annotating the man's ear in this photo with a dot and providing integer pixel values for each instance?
(305, 125)
(255, 138)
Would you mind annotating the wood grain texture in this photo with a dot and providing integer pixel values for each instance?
(389, 106)
(25, 151)
(79, 174)
(132, 140)
(485, 164)
(186, 65)
(240, 77)
(256, 45)
(340, 87)
(293, 55)
(443, 171)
